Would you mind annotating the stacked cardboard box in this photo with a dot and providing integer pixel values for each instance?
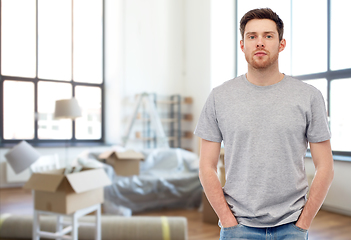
(124, 163)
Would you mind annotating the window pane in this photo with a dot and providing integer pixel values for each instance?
(321, 85)
(18, 40)
(48, 128)
(18, 110)
(309, 37)
(340, 114)
(87, 41)
(282, 8)
(89, 125)
(55, 40)
(338, 51)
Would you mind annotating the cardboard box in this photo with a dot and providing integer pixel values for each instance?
(221, 173)
(56, 192)
(221, 156)
(125, 163)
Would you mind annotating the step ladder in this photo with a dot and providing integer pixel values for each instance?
(161, 138)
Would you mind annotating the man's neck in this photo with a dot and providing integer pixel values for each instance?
(264, 77)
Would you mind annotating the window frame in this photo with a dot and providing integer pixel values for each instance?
(329, 75)
(54, 142)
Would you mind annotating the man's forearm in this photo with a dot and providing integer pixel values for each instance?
(214, 193)
(318, 191)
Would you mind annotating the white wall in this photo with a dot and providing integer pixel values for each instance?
(153, 46)
(197, 55)
(209, 49)
(153, 53)
(114, 68)
(222, 41)
(165, 47)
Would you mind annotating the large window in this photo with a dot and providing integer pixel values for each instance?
(316, 53)
(51, 50)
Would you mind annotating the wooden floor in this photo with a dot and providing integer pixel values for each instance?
(326, 226)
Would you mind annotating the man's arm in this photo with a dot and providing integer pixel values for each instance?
(209, 156)
(323, 161)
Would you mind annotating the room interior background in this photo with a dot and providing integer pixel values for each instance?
(171, 47)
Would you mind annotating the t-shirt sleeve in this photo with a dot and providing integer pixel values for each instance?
(207, 127)
(318, 127)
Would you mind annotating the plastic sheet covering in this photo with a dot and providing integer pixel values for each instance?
(168, 179)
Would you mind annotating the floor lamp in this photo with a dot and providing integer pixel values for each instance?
(67, 109)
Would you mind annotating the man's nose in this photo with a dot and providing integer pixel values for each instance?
(260, 43)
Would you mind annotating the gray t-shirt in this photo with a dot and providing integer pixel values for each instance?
(265, 132)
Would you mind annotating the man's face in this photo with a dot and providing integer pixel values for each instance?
(261, 43)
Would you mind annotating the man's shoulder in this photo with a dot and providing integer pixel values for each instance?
(229, 84)
(301, 85)
(294, 81)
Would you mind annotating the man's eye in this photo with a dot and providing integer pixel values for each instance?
(269, 36)
(252, 37)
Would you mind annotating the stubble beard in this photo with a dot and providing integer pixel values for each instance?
(261, 64)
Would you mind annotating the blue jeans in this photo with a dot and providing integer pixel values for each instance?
(287, 232)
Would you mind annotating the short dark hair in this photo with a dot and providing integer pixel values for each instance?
(262, 13)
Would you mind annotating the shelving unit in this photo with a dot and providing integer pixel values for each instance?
(172, 118)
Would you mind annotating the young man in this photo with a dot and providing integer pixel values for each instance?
(265, 120)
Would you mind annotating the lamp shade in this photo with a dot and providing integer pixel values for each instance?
(21, 156)
(67, 108)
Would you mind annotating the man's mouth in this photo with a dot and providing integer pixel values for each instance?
(260, 54)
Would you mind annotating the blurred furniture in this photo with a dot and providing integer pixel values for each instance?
(63, 227)
(67, 109)
(21, 156)
(168, 178)
(153, 120)
(46, 163)
(171, 113)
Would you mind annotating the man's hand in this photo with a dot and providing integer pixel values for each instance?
(231, 222)
(302, 225)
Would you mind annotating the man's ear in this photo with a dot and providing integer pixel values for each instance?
(282, 45)
(242, 45)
